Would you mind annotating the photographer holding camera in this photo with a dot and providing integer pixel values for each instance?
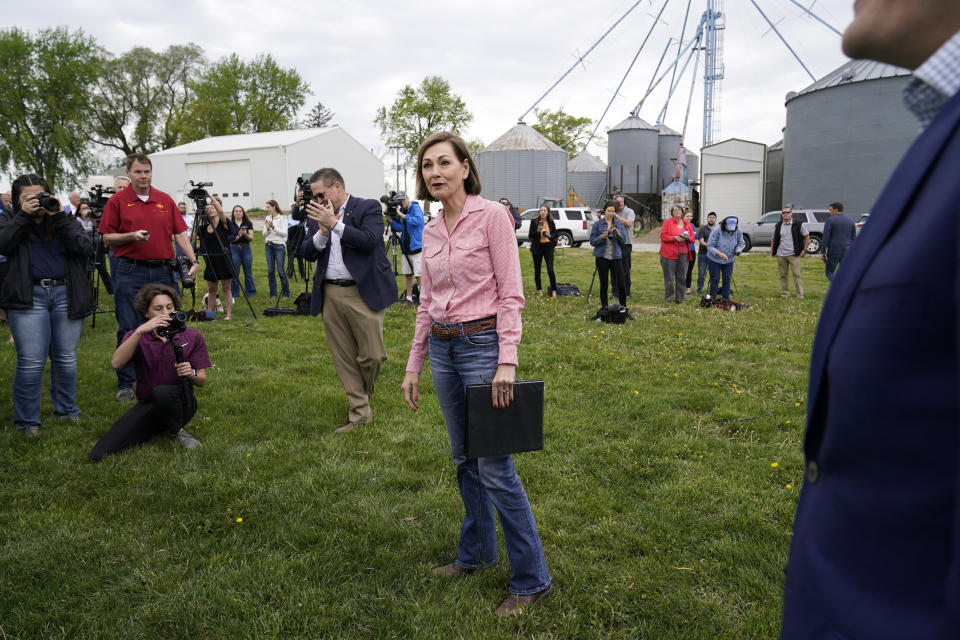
(407, 220)
(138, 223)
(170, 359)
(45, 293)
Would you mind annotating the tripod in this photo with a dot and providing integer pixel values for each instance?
(98, 271)
(200, 206)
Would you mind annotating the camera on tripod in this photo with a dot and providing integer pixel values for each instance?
(393, 201)
(182, 264)
(299, 211)
(97, 199)
(178, 324)
(198, 192)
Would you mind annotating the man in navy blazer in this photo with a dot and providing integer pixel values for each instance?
(876, 543)
(352, 287)
(839, 233)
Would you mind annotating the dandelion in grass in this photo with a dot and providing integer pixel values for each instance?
(796, 404)
(789, 486)
(636, 393)
(787, 422)
(239, 520)
(249, 454)
(774, 464)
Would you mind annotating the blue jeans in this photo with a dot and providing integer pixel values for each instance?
(833, 261)
(716, 270)
(38, 332)
(701, 270)
(276, 259)
(489, 482)
(127, 280)
(243, 256)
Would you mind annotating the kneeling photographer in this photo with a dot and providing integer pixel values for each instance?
(406, 218)
(170, 359)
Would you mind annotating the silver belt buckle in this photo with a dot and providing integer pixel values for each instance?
(47, 283)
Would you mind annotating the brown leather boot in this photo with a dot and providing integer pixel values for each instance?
(514, 604)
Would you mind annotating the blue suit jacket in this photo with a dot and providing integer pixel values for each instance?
(876, 542)
(363, 254)
(839, 232)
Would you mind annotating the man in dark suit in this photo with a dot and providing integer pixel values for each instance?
(838, 234)
(876, 543)
(352, 287)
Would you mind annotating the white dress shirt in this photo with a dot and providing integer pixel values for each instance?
(336, 269)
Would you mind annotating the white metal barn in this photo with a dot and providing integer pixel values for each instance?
(732, 179)
(249, 169)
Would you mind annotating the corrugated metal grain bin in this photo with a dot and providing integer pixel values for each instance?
(845, 134)
(632, 154)
(522, 165)
(587, 176)
(669, 146)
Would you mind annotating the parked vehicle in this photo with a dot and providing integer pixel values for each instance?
(573, 225)
(759, 233)
(862, 221)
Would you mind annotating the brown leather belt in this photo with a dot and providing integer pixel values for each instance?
(449, 332)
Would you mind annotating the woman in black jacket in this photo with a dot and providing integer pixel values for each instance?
(543, 238)
(46, 294)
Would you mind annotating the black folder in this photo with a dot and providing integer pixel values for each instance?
(497, 432)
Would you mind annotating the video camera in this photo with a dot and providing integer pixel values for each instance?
(393, 201)
(97, 199)
(178, 324)
(198, 192)
(181, 265)
(299, 211)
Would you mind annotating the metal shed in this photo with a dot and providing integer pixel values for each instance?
(845, 134)
(587, 176)
(732, 178)
(632, 154)
(522, 165)
(249, 169)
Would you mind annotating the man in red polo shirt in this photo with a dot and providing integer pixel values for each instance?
(138, 223)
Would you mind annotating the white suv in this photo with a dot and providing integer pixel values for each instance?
(573, 225)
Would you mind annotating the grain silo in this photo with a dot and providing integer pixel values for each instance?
(669, 147)
(773, 190)
(632, 155)
(693, 166)
(587, 177)
(845, 134)
(524, 166)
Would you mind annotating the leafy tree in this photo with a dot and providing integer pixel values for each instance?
(475, 145)
(143, 94)
(417, 113)
(234, 96)
(44, 111)
(319, 116)
(566, 131)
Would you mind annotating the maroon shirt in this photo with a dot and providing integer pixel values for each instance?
(156, 363)
(125, 213)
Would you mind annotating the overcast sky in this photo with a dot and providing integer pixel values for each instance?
(498, 55)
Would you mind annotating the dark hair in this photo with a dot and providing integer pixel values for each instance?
(837, 205)
(273, 203)
(31, 180)
(151, 290)
(80, 207)
(712, 213)
(328, 175)
(472, 183)
(142, 158)
(502, 198)
(243, 211)
(609, 203)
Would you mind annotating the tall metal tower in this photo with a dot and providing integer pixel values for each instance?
(713, 69)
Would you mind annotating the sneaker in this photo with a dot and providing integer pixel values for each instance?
(125, 394)
(187, 441)
(32, 432)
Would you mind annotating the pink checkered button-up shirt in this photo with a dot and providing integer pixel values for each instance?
(471, 273)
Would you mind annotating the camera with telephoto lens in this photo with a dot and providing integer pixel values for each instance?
(393, 202)
(299, 210)
(182, 264)
(48, 202)
(178, 323)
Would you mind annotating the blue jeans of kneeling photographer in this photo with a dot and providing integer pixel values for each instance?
(488, 482)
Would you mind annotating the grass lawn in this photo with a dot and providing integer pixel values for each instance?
(664, 496)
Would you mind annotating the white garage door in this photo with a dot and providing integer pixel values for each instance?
(230, 178)
(733, 194)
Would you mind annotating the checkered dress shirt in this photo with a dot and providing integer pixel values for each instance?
(934, 82)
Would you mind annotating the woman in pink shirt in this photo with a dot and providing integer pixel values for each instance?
(468, 321)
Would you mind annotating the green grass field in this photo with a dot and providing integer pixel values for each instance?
(664, 496)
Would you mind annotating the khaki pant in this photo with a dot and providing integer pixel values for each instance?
(794, 264)
(355, 336)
